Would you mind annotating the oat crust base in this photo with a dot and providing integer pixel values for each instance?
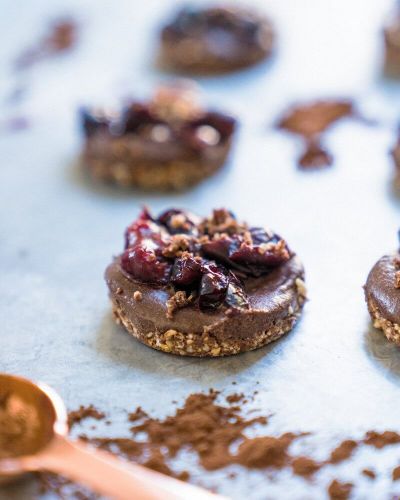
(117, 166)
(391, 330)
(206, 345)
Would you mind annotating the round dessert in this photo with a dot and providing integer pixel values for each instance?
(169, 143)
(382, 293)
(215, 40)
(396, 157)
(204, 286)
(392, 46)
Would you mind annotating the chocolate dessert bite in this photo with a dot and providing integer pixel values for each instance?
(396, 158)
(169, 143)
(391, 34)
(382, 293)
(211, 40)
(210, 286)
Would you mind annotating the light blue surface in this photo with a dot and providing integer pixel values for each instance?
(334, 374)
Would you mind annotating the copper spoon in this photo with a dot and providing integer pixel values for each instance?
(50, 449)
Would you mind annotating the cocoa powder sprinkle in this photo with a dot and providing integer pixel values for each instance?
(339, 491)
(305, 466)
(82, 413)
(381, 439)
(369, 473)
(217, 435)
(396, 473)
(62, 36)
(343, 451)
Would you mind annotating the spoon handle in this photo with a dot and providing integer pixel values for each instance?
(113, 477)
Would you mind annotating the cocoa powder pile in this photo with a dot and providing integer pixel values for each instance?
(19, 427)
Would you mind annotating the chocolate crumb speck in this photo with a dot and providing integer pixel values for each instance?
(265, 451)
(369, 473)
(343, 451)
(82, 413)
(177, 301)
(315, 156)
(305, 466)
(136, 415)
(381, 439)
(396, 473)
(235, 398)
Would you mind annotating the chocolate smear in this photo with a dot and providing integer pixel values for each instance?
(61, 37)
(310, 121)
(339, 491)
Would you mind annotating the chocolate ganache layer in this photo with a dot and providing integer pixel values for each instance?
(382, 293)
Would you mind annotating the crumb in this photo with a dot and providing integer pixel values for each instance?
(235, 398)
(381, 439)
(339, 491)
(396, 473)
(82, 413)
(343, 451)
(369, 473)
(305, 466)
(138, 296)
(177, 301)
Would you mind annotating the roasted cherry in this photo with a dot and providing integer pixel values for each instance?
(213, 286)
(143, 228)
(178, 221)
(143, 264)
(235, 295)
(186, 271)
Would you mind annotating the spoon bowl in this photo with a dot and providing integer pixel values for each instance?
(41, 409)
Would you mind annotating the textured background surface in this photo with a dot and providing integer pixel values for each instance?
(333, 374)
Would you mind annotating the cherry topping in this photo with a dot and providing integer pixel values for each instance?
(175, 249)
(143, 228)
(142, 263)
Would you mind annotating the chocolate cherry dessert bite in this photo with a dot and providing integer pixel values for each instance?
(382, 293)
(208, 286)
(169, 143)
(391, 34)
(219, 39)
